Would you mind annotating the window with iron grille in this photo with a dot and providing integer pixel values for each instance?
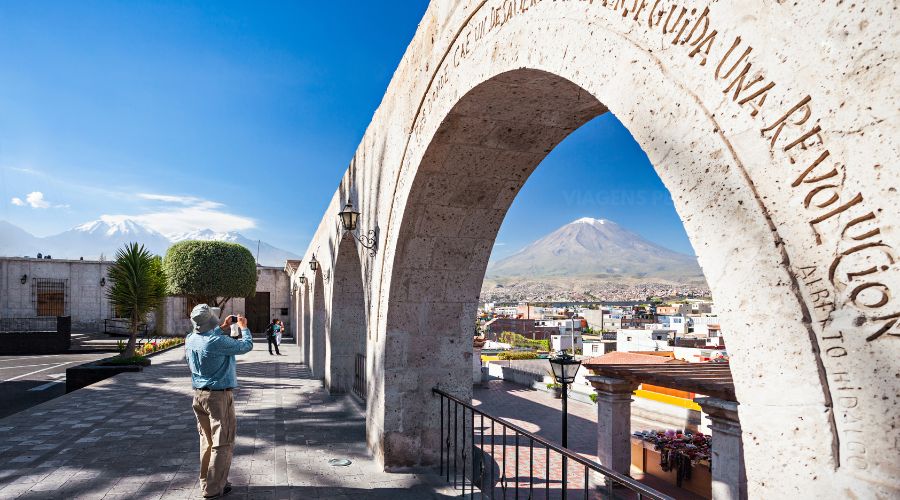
(50, 296)
(189, 305)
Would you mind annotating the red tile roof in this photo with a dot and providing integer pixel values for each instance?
(292, 265)
(631, 358)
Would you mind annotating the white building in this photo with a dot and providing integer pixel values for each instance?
(566, 342)
(511, 311)
(32, 288)
(593, 345)
(632, 339)
(679, 324)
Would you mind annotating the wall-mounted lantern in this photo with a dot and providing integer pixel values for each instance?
(349, 219)
(313, 263)
(103, 281)
(302, 280)
(23, 279)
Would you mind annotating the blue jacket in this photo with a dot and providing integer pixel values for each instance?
(210, 355)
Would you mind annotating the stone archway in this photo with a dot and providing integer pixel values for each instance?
(307, 323)
(317, 322)
(346, 333)
(783, 175)
(300, 317)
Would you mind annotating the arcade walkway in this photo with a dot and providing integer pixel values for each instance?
(134, 436)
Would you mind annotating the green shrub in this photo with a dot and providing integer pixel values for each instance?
(138, 287)
(517, 340)
(133, 360)
(517, 355)
(210, 272)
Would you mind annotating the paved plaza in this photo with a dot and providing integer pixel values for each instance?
(134, 436)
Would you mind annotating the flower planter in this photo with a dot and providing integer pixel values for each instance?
(647, 459)
(91, 373)
(95, 371)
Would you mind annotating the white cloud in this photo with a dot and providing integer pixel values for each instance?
(189, 214)
(35, 199)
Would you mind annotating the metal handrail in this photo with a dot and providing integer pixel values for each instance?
(641, 489)
(359, 376)
(38, 324)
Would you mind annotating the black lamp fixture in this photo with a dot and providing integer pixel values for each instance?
(565, 366)
(313, 263)
(302, 280)
(349, 220)
(23, 279)
(103, 281)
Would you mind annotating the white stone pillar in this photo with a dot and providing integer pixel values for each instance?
(476, 365)
(729, 479)
(613, 422)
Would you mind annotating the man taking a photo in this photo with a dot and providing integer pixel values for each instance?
(210, 353)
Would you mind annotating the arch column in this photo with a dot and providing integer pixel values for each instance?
(317, 321)
(300, 320)
(346, 329)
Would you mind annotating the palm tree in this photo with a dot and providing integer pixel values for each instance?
(138, 287)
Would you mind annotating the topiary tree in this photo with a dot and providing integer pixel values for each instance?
(210, 272)
(138, 287)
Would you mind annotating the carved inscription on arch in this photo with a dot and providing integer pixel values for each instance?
(839, 219)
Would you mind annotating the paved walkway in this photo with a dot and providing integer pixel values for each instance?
(134, 436)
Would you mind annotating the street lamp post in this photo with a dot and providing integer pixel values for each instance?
(564, 366)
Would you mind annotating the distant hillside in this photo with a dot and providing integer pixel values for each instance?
(597, 249)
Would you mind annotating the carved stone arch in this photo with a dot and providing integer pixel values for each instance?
(346, 333)
(750, 131)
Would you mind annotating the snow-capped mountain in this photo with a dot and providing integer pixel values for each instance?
(597, 248)
(102, 237)
(105, 236)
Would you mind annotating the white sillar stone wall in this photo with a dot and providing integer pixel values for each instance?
(87, 302)
(775, 125)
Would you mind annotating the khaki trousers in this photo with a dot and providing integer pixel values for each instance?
(217, 426)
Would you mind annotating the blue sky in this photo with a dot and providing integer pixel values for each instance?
(243, 116)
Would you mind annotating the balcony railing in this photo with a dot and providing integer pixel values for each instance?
(526, 464)
(122, 326)
(27, 325)
(359, 377)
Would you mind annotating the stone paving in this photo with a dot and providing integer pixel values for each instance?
(134, 436)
